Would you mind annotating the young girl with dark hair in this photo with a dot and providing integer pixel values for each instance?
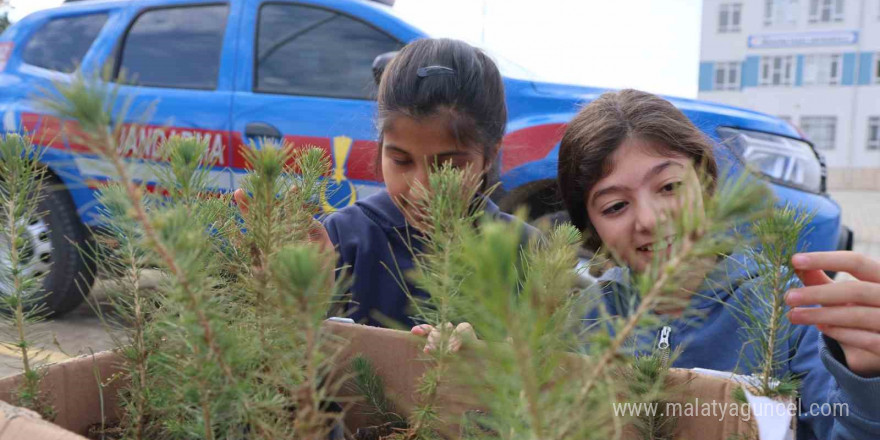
(439, 100)
(622, 163)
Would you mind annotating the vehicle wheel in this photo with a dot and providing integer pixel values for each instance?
(58, 246)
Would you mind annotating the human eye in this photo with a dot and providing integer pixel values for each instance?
(670, 187)
(400, 159)
(614, 209)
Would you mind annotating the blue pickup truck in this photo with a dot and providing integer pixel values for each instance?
(228, 71)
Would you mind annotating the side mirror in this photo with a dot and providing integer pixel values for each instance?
(379, 64)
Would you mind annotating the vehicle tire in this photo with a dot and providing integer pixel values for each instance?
(60, 246)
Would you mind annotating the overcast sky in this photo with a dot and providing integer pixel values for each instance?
(652, 45)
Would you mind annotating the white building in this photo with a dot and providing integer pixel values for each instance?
(815, 63)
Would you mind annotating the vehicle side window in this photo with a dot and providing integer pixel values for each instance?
(61, 43)
(303, 50)
(177, 47)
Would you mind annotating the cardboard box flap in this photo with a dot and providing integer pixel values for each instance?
(74, 391)
(19, 424)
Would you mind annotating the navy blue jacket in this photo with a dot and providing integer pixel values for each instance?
(373, 240)
(714, 339)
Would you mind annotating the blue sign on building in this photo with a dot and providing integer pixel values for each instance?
(828, 38)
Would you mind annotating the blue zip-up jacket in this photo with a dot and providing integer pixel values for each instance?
(373, 240)
(714, 339)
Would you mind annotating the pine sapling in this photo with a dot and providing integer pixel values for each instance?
(647, 383)
(763, 311)
(303, 276)
(370, 387)
(523, 295)
(22, 185)
(280, 208)
(445, 210)
(230, 345)
(177, 238)
(122, 258)
(90, 103)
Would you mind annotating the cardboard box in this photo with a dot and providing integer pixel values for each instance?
(396, 357)
(74, 388)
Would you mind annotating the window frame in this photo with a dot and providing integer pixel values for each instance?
(873, 144)
(786, 65)
(725, 68)
(735, 11)
(119, 51)
(835, 69)
(775, 7)
(824, 118)
(254, 62)
(106, 13)
(723, 8)
(729, 26)
(823, 62)
(836, 11)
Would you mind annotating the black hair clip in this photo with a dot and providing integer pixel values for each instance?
(425, 72)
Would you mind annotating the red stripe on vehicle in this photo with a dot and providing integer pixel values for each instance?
(529, 144)
(240, 147)
(362, 161)
(44, 130)
(357, 165)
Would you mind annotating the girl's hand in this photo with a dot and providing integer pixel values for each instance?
(317, 233)
(462, 332)
(850, 310)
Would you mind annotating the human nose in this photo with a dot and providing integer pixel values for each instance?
(646, 218)
(650, 212)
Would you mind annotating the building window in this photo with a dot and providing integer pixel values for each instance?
(820, 130)
(727, 76)
(824, 69)
(826, 11)
(729, 17)
(874, 133)
(780, 12)
(777, 70)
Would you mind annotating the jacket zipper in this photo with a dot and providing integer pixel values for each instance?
(663, 344)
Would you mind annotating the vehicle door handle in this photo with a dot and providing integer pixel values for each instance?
(261, 130)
